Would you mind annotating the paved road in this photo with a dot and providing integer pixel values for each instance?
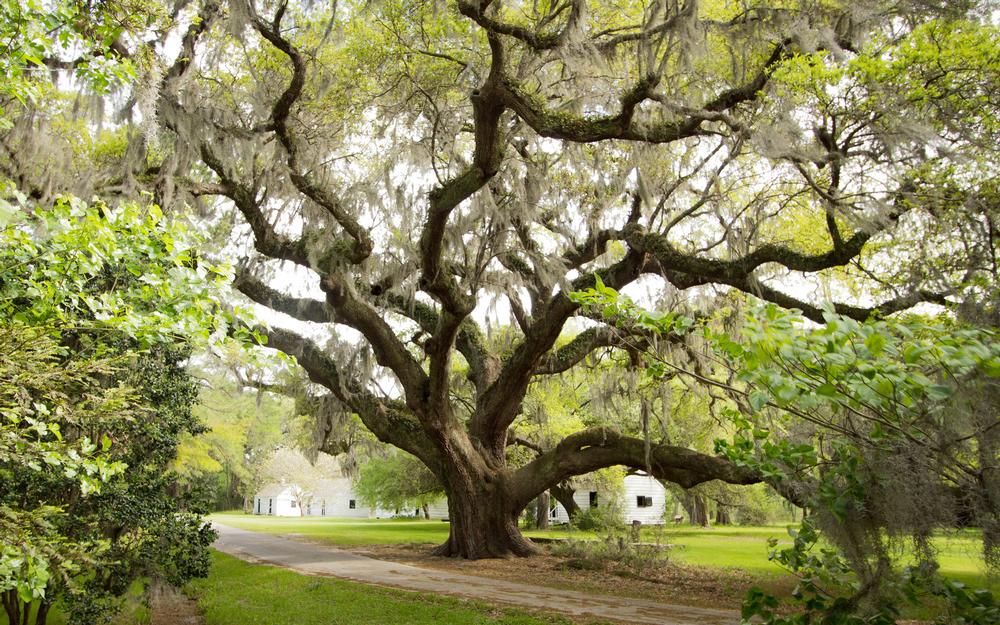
(319, 559)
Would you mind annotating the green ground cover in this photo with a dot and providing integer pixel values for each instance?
(718, 547)
(237, 593)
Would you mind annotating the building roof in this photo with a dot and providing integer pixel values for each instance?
(320, 488)
(273, 489)
(330, 487)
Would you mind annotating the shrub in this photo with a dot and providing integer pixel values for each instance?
(612, 553)
(600, 518)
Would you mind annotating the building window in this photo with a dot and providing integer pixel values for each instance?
(593, 499)
(322, 509)
(309, 508)
(294, 504)
(644, 502)
(258, 505)
(270, 506)
(352, 505)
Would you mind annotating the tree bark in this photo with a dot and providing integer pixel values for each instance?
(483, 525)
(12, 606)
(564, 495)
(722, 515)
(427, 512)
(43, 613)
(542, 511)
(698, 510)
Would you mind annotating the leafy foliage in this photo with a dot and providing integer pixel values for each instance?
(397, 481)
(39, 394)
(100, 308)
(879, 427)
(244, 429)
(38, 36)
(824, 575)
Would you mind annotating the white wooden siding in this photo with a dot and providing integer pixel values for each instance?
(644, 486)
(634, 486)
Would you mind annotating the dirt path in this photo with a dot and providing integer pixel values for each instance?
(169, 606)
(325, 560)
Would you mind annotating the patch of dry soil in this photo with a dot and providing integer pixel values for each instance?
(669, 582)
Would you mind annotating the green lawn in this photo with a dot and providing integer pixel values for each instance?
(349, 532)
(721, 547)
(237, 593)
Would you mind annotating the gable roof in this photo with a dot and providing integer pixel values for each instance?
(319, 489)
(274, 489)
(331, 486)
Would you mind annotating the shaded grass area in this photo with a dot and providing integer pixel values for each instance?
(237, 593)
(729, 547)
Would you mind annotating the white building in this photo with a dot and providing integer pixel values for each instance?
(300, 489)
(328, 497)
(276, 500)
(438, 511)
(644, 500)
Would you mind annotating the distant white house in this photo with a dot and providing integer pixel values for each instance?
(301, 488)
(276, 500)
(438, 511)
(644, 500)
(328, 497)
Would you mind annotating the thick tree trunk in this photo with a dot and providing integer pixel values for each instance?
(564, 495)
(485, 500)
(427, 512)
(483, 525)
(542, 511)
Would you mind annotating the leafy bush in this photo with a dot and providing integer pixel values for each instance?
(612, 553)
(829, 593)
(600, 518)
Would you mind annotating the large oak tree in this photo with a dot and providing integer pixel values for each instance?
(418, 163)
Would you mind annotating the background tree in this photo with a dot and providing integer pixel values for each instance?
(397, 481)
(244, 428)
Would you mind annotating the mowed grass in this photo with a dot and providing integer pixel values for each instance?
(237, 593)
(738, 547)
(347, 532)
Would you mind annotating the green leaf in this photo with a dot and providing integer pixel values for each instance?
(939, 392)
